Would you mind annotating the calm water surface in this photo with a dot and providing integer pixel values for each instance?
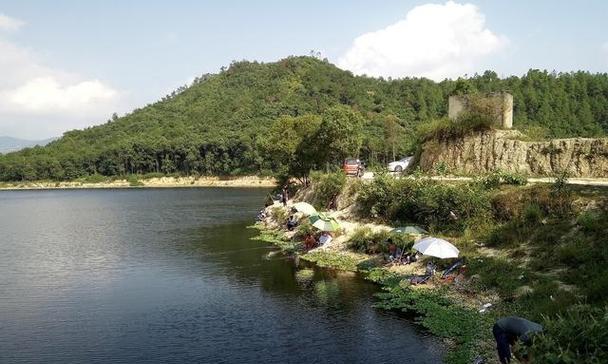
(171, 276)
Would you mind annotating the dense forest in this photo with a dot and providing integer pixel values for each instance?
(296, 114)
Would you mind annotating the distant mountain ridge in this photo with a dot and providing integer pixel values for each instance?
(9, 144)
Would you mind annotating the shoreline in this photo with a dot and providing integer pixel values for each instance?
(394, 294)
(156, 182)
(233, 182)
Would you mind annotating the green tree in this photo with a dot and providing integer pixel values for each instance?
(288, 144)
(392, 133)
(339, 135)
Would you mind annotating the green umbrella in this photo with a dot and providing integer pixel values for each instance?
(414, 230)
(305, 208)
(324, 222)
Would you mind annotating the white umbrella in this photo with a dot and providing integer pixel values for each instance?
(436, 247)
(305, 208)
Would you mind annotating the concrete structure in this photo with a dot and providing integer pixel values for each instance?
(500, 105)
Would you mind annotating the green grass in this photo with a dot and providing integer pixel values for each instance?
(544, 257)
(446, 129)
(276, 238)
(331, 259)
(94, 178)
(441, 316)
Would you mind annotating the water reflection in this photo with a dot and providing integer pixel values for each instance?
(171, 276)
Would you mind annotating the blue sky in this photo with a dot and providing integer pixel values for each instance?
(70, 64)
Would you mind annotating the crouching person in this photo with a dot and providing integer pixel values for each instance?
(508, 330)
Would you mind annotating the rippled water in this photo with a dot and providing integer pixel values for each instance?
(171, 276)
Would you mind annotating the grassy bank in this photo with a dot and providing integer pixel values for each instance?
(534, 251)
(440, 313)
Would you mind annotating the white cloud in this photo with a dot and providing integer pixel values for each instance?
(47, 94)
(434, 41)
(8, 23)
(605, 49)
(40, 101)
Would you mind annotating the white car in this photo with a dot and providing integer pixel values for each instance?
(400, 165)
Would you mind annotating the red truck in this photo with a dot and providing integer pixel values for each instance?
(353, 167)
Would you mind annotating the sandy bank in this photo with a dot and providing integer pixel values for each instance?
(162, 182)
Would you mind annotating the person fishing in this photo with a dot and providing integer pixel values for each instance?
(285, 194)
(508, 330)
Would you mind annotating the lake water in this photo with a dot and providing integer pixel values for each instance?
(171, 276)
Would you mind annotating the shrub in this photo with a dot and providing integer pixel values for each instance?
(498, 177)
(553, 201)
(366, 241)
(279, 214)
(591, 222)
(534, 133)
(446, 129)
(424, 202)
(327, 187)
(94, 178)
(361, 239)
(513, 178)
(353, 186)
(561, 182)
(509, 234)
(134, 181)
(375, 198)
(572, 252)
(304, 229)
(441, 169)
(596, 286)
(507, 205)
(561, 195)
(491, 180)
(578, 336)
(533, 214)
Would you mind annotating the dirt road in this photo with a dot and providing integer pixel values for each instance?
(602, 182)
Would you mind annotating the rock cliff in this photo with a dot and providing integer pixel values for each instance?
(505, 150)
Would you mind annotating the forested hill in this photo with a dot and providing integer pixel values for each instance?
(222, 123)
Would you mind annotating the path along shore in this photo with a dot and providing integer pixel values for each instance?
(241, 181)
